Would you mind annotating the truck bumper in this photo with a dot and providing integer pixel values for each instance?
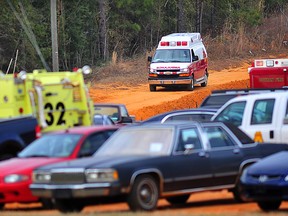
(164, 82)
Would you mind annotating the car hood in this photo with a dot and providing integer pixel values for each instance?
(23, 165)
(274, 164)
(99, 162)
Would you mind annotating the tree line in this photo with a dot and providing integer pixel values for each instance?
(92, 31)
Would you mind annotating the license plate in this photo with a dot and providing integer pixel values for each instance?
(62, 193)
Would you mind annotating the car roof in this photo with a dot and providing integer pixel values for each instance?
(87, 129)
(260, 96)
(184, 111)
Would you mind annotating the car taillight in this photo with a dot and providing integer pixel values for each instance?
(38, 131)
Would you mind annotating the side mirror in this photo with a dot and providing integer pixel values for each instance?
(195, 58)
(149, 59)
(126, 119)
(285, 121)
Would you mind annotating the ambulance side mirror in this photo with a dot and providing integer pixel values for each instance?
(285, 120)
(149, 59)
(195, 58)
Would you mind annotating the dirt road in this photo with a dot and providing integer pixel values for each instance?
(143, 104)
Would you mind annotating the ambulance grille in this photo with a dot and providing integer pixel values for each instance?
(174, 76)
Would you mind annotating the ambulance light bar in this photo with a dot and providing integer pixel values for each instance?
(270, 63)
(173, 43)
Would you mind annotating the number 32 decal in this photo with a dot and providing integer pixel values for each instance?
(59, 107)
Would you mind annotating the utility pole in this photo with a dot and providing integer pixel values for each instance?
(54, 35)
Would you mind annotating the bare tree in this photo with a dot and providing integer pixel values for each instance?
(199, 14)
(181, 17)
(103, 8)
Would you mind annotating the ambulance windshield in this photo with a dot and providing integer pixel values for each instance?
(172, 55)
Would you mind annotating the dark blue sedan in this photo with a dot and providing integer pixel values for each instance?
(140, 164)
(266, 182)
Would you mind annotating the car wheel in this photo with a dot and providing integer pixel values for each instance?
(144, 194)
(191, 85)
(269, 205)
(2, 205)
(237, 194)
(152, 88)
(178, 199)
(68, 205)
(205, 81)
(47, 204)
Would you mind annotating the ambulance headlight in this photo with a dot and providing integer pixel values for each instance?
(152, 70)
(184, 70)
(86, 69)
(22, 75)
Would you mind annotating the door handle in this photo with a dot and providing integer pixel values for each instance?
(236, 151)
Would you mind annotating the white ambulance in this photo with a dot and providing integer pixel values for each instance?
(180, 60)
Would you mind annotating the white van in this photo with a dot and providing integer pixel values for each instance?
(264, 117)
(180, 60)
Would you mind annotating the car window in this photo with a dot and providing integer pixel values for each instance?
(262, 111)
(188, 136)
(218, 137)
(233, 113)
(138, 141)
(93, 142)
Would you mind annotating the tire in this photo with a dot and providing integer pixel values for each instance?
(206, 80)
(178, 199)
(47, 204)
(152, 88)
(2, 206)
(237, 194)
(269, 205)
(144, 194)
(191, 86)
(68, 205)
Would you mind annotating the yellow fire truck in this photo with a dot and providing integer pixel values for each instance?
(58, 100)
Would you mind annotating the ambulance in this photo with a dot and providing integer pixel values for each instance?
(268, 73)
(59, 100)
(180, 60)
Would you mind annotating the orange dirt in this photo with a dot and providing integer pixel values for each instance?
(143, 104)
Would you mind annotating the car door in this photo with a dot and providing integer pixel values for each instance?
(225, 156)
(190, 169)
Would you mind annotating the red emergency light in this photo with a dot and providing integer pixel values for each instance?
(21, 110)
(259, 63)
(178, 43)
(164, 43)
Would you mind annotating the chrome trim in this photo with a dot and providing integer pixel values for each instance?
(169, 82)
(187, 178)
(83, 190)
(170, 193)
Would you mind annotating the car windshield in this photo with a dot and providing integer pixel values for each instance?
(51, 145)
(138, 141)
(111, 111)
(173, 55)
